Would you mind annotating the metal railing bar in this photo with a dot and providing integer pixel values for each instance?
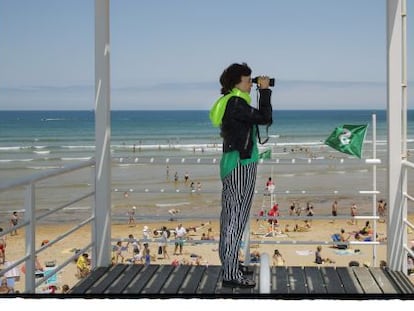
(216, 160)
(369, 192)
(276, 192)
(409, 251)
(263, 218)
(409, 224)
(409, 197)
(284, 242)
(407, 163)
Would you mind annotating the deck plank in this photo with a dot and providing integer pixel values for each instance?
(158, 280)
(332, 281)
(349, 281)
(176, 280)
(297, 281)
(110, 276)
(314, 280)
(367, 281)
(385, 283)
(141, 280)
(280, 283)
(402, 281)
(120, 284)
(209, 283)
(193, 280)
(87, 282)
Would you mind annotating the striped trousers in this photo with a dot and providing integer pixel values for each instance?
(237, 197)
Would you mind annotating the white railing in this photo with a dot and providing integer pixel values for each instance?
(30, 220)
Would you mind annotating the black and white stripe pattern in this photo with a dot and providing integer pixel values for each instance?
(237, 197)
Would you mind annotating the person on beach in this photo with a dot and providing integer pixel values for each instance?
(366, 229)
(146, 233)
(65, 289)
(134, 244)
(318, 257)
(146, 255)
(354, 212)
(270, 186)
(238, 122)
(382, 206)
(4, 288)
(165, 234)
(14, 220)
(334, 210)
(292, 208)
(343, 238)
(298, 210)
(278, 258)
(82, 265)
(180, 233)
(309, 213)
(173, 212)
(118, 252)
(131, 216)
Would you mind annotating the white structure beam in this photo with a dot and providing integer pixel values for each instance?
(101, 231)
(395, 230)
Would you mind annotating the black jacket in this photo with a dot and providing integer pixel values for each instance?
(239, 120)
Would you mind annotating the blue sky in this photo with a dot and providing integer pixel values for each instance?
(324, 54)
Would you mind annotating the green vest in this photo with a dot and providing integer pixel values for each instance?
(230, 159)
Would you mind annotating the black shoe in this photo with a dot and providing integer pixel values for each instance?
(239, 283)
(245, 270)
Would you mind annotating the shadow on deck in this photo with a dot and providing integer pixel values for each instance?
(167, 281)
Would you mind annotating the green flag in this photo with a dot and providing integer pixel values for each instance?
(348, 139)
(267, 154)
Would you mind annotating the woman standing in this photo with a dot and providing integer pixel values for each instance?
(278, 258)
(238, 122)
(165, 234)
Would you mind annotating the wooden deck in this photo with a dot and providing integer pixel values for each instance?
(167, 281)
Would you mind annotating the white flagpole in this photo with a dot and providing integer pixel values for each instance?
(374, 186)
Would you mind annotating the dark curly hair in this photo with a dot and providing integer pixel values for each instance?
(232, 76)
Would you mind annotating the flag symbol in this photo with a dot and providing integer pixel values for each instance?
(348, 139)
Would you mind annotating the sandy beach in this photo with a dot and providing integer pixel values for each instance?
(294, 255)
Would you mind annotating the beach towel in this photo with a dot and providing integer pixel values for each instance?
(345, 252)
(304, 253)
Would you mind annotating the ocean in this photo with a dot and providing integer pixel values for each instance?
(33, 141)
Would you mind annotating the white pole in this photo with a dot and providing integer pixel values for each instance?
(374, 186)
(395, 223)
(404, 151)
(101, 233)
(30, 216)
